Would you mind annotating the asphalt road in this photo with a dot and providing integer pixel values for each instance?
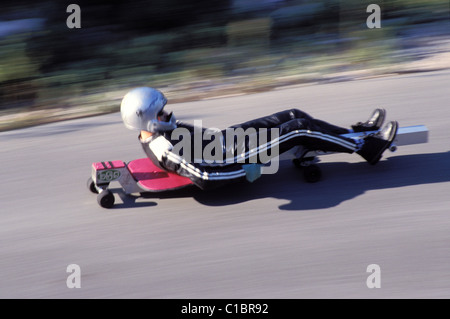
(276, 238)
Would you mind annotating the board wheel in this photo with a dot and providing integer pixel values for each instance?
(312, 173)
(91, 186)
(302, 162)
(106, 199)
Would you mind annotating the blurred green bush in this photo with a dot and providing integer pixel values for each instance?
(171, 43)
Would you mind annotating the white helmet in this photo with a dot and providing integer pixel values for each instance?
(141, 108)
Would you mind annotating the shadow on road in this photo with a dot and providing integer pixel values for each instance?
(129, 201)
(341, 182)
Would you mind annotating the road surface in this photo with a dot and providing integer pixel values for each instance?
(276, 238)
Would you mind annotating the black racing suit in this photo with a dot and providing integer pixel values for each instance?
(283, 131)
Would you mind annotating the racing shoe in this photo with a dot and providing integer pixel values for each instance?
(374, 145)
(373, 123)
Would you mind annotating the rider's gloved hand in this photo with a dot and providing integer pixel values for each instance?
(252, 171)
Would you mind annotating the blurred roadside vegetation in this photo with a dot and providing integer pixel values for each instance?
(198, 49)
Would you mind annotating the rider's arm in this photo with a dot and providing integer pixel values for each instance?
(161, 149)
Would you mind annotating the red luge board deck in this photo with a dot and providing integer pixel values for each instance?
(152, 178)
(108, 165)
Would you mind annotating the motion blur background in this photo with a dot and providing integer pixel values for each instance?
(199, 49)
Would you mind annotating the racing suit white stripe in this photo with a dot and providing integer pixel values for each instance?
(203, 174)
(284, 138)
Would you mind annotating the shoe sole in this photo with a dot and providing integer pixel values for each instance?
(390, 141)
(381, 118)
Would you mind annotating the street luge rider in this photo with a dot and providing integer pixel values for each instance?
(142, 109)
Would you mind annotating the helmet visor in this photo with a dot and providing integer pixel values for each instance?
(163, 116)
